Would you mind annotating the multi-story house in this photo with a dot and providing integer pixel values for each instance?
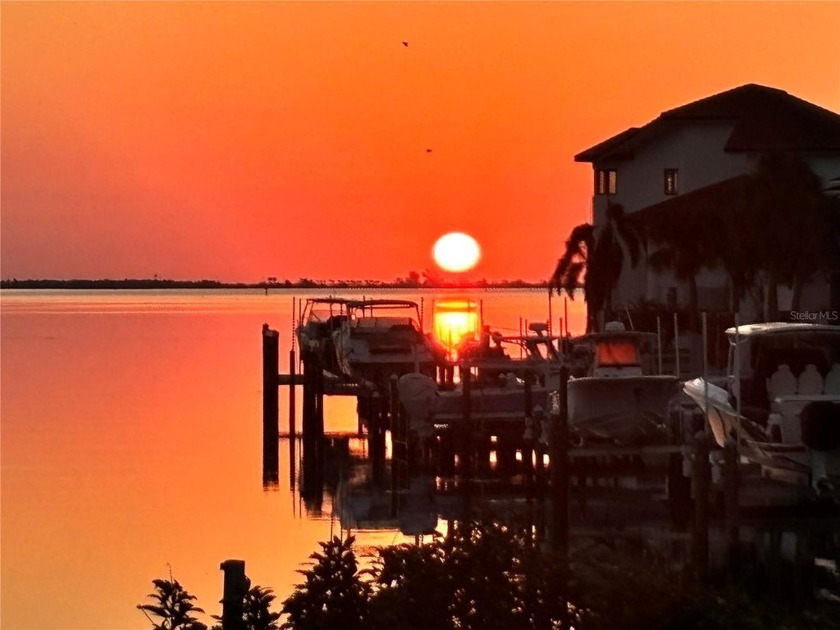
(701, 153)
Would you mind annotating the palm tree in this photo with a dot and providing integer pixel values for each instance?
(791, 229)
(685, 246)
(570, 273)
(594, 258)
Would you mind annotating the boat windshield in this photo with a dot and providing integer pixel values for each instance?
(797, 349)
(762, 355)
(617, 353)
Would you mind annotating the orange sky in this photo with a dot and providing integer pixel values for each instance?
(242, 140)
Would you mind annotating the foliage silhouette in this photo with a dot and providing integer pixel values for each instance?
(333, 594)
(174, 606)
(491, 574)
(594, 259)
(793, 235)
(256, 611)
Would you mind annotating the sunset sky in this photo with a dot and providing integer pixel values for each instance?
(240, 140)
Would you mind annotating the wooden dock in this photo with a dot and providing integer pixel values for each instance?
(668, 496)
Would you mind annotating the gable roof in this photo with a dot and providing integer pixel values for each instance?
(723, 196)
(718, 199)
(764, 119)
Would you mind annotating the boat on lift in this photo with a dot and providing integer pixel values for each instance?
(380, 338)
(614, 394)
(319, 319)
(511, 378)
(781, 401)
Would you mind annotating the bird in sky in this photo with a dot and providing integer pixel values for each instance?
(405, 44)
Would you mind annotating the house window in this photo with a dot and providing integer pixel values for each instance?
(671, 181)
(605, 181)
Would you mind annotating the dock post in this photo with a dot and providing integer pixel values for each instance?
(313, 437)
(236, 586)
(701, 478)
(467, 430)
(308, 400)
(559, 459)
(465, 446)
(376, 441)
(292, 392)
(731, 500)
(396, 445)
(271, 404)
(319, 407)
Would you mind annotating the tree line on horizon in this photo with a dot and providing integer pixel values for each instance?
(412, 281)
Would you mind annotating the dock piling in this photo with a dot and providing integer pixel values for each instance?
(292, 392)
(731, 499)
(271, 404)
(559, 460)
(701, 479)
(236, 586)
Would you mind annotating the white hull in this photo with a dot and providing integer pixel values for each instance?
(755, 443)
(489, 402)
(368, 358)
(623, 408)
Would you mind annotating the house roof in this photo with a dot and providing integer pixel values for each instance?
(763, 118)
(718, 199)
(721, 195)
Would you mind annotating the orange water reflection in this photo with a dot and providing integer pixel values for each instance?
(132, 441)
(456, 319)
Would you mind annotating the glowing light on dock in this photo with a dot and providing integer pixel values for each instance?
(454, 321)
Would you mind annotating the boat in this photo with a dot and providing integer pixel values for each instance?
(615, 395)
(380, 338)
(511, 378)
(780, 401)
(319, 319)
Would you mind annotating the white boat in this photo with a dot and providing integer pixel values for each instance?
(618, 397)
(381, 338)
(319, 319)
(498, 366)
(781, 400)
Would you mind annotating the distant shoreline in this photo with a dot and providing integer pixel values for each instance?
(139, 284)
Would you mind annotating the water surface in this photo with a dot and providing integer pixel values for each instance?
(131, 446)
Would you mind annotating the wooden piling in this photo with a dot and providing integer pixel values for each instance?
(466, 431)
(313, 399)
(396, 446)
(730, 476)
(559, 458)
(313, 428)
(271, 404)
(319, 403)
(376, 441)
(236, 586)
(292, 392)
(701, 479)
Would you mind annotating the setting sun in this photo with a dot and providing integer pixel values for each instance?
(456, 251)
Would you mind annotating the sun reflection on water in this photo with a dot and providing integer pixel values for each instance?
(454, 321)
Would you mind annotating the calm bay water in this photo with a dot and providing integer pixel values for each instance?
(131, 446)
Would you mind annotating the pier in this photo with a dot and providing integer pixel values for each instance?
(704, 510)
